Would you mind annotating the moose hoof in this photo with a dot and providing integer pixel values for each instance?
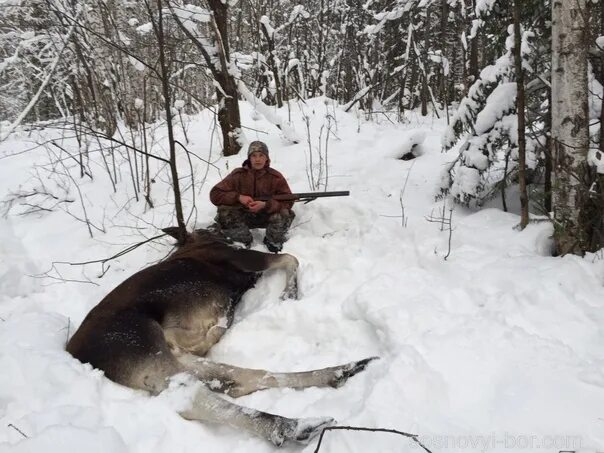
(344, 372)
(310, 427)
(289, 294)
(300, 430)
(291, 291)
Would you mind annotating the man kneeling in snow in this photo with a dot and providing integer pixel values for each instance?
(238, 211)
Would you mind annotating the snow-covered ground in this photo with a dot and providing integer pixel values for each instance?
(496, 348)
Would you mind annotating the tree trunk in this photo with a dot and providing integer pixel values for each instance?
(228, 102)
(228, 115)
(549, 165)
(272, 63)
(165, 81)
(473, 69)
(570, 135)
(598, 233)
(520, 100)
(423, 58)
(446, 53)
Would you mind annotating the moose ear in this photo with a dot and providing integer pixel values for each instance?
(172, 231)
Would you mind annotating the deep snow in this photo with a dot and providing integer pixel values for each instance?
(497, 348)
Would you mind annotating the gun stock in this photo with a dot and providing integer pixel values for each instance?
(304, 196)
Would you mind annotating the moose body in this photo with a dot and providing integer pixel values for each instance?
(163, 320)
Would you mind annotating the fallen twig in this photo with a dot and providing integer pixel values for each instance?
(102, 261)
(10, 425)
(375, 430)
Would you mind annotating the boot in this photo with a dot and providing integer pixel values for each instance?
(272, 246)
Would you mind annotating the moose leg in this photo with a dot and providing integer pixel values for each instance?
(290, 264)
(208, 406)
(148, 364)
(198, 402)
(254, 261)
(236, 382)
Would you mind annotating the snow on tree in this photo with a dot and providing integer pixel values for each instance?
(595, 157)
(486, 122)
(33, 86)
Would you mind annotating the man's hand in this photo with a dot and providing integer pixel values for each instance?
(246, 200)
(256, 206)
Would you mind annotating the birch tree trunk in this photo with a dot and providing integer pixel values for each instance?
(570, 135)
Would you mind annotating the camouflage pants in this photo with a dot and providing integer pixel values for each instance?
(235, 223)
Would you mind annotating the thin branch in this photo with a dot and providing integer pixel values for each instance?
(193, 154)
(374, 430)
(73, 158)
(105, 136)
(450, 233)
(10, 425)
(117, 255)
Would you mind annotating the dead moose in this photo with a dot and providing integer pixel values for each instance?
(162, 321)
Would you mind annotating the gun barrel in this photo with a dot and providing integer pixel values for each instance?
(341, 193)
(304, 195)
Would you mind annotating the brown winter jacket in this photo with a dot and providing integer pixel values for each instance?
(255, 183)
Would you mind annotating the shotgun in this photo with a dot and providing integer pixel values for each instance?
(306, 197)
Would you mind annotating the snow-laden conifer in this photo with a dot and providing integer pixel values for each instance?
(486, 123)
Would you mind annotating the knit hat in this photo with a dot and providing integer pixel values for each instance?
(257, 146)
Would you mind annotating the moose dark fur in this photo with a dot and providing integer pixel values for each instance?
(162, 321)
